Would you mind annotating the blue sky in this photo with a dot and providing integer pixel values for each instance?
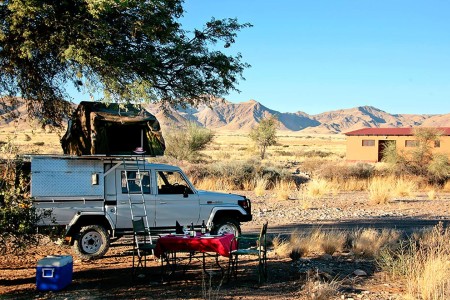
(320, 55)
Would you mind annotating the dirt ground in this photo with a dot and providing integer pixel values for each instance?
(111, 277)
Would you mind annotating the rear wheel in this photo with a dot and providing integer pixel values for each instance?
(92, 242)
(227, 226)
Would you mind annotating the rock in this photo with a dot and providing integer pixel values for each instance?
(359, 272)
(326, 257)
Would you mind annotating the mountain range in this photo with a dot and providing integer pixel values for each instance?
(223, 115)
(228, 116)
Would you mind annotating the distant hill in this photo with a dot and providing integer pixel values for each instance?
(224, 115)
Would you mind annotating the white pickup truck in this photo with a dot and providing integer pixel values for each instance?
(90, 196)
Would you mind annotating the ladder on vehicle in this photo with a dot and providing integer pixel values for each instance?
(133, 176)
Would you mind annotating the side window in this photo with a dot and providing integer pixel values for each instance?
(172, 183)
(368, 143)
(134, 182)
(411, 143)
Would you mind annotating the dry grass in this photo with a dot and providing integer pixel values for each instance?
(317, 241)
(329, 242)
(317, 188)
(260, 186)
(333, 241)
(404, 187)
(380, 191)
(433, 280)
(215, 184)
(248, 185)
(369, 242)
(424, 263)
(283, 189)
(281, 247)
(350, 184)
(318, 290)
(299, 243)
(446, 187)
(432, 194)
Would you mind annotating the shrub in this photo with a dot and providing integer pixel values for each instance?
(239, 174)
(185, 143)
(18, 218)
(361, 171)
(439, 169)
(314, 154)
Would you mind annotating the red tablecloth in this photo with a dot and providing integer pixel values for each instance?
(173, 243)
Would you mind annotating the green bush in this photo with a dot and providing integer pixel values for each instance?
(18, 218)
(421, 161)
(185, 143)
(439, 169)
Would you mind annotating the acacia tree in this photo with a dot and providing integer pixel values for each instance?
(121, 50)
(264, 134)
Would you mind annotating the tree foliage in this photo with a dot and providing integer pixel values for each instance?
(125, 51)
(264, 134)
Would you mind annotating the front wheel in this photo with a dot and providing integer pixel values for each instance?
(92, 242)
(227, 226)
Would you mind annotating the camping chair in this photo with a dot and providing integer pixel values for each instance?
(142, 245)
(257, 248)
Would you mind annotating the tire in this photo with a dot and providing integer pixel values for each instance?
(92, 242)
(227, 226)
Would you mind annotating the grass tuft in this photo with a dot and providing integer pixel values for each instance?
(380, 191)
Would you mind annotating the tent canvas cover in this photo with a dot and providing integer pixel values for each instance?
(112, 129)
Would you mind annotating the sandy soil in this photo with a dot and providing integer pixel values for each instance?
(111, 277)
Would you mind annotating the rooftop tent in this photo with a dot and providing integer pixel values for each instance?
(112, 129)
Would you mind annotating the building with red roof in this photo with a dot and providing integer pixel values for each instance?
(367, 144)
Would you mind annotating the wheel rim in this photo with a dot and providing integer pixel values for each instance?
(226, 228)
(91, 242)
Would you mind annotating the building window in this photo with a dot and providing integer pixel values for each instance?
(411, 143)
(368, 143)
(437, 144)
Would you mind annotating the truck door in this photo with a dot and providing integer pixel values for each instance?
(136, 195)
(175, 200)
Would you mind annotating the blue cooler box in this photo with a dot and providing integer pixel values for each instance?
(54, 272)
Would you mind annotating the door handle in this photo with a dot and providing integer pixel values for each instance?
(123, 202)
(162, 202)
